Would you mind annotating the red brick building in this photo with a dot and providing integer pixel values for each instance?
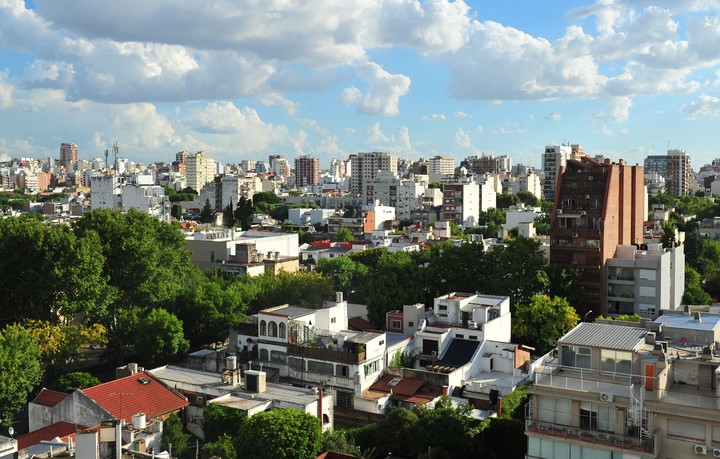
(597, 206)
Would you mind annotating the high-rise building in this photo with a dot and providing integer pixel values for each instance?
(656, 164)
(68, 154)
(200, 170)
(307, 171)
(461, 203)
(598, 206)
(279, 166)
(442, 165)
(365, 166)
(679, 173)
(554, 159)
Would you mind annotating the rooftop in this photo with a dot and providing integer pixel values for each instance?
(605, 336)
(49, 397)
(291, 312)
(707, 322)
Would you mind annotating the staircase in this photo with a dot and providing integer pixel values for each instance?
(638, 416)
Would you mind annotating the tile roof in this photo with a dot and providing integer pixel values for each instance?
(138, 393)
(606, 336)
(49, 397)
(62, 430)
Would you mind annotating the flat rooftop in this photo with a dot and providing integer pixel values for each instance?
(291, 312)
(708, 322)
(606, 336)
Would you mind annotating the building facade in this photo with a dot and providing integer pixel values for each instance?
(307, 171)
(199, 169)
(68, 155)
(365, 166)
(679, 173)
(597, 207)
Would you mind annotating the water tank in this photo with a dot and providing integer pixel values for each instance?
(231, 362)
(341, 340)
(139, 421)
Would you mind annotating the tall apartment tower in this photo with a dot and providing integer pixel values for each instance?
(598, 206)
(365, 166)
(68, 154)
(200, 170)
(554, 158)
(679, 173)
(307, 171)
(441, 165)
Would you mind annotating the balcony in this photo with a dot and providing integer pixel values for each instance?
(604, 439)
(333, 355)
(322, 379)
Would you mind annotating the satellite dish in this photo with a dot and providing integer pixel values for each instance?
(11, 431)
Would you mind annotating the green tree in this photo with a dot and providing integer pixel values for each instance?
(515, 270)
(207, 214)
(76, 380)
(305, 289)
(173, 435)
(346, 274)
(339, 442)
(228, 216)
(244, 213)
(161, 337)
(266, 196)
(542, 321)
(344, 234)
(20, 370)
(176, 211)
(504, 201)
(219, 420)
(694, 293)
(223, 447)
(280, 433)
(396, 433)
(395, 280)
(60, 344)
(528, 198)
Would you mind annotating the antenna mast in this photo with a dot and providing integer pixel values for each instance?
(115, 154)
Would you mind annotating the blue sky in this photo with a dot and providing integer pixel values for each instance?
(245, 79)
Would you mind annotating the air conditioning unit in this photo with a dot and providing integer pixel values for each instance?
(582, 212)
(559, 211)
(587, 196)
(575, 235)
(605, 397)
(590, 178)
(716, 452)
(700, 449)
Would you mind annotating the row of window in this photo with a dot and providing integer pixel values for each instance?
(272, 329)
(611, 361)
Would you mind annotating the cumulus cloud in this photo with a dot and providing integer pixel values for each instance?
(553, 116)
(435, 116)
(705, 106)
(6, 93)
(397, 143)
(383, 95)
(464, 142)
(617, 110)
(461, 115)
(508, 131)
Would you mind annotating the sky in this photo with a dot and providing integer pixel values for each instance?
(246, 79)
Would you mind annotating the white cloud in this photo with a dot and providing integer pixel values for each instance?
(6, 93)
(480, 129)
(617, 110)
(435, 116)
(553, 116)
(383, 95)
(464, 142)
(508, 131)
(705, 106)
(461, 115)
(396, 143)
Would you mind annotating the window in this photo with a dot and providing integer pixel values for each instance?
(555, 410)
(395, 324)
(264, 354)
(647, 274)
(648, 309)
(597, 417)
(372, 367)
(683, 430)
(344, 399)
(272, 329)
(647, 291)
(277, 356)
(263, 328)
(411, 324)
(342, 370)
(212, 256)
(716, 435)
(333, 320)
(325, 368)
(458, 336)
(282, 329)
(616, 361)
(576, 356)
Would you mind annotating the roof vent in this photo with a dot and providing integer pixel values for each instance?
(143, 381)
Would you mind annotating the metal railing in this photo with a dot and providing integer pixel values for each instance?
(594, 437)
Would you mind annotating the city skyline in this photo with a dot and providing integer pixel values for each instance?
(414, 79)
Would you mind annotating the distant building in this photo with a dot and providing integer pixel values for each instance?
(554, 158)
(442, 165)
(68, 155)
(461, 203)
(365, 166)
(678, 178)
(200, 169)
(307, 171)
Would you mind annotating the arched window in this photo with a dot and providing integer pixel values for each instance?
(264, 354)
(272, 329)
(326, 419)
(282, 330)
(263, 328)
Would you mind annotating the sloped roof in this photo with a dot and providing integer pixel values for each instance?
(61, 430)
(138, 393)
(48, 397)
(606, 336)
(459, 353)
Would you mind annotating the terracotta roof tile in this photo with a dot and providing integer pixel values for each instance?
(63, 430)
(138, 393)
(49, 397)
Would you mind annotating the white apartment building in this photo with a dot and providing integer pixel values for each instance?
(529, 183)
(461, 203)
(441, 165)
(645, 280)
(617, 391)
(199, 170)
(554, 157)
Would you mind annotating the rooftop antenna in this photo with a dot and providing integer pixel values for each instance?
(106, 157)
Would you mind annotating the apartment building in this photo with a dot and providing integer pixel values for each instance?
(461, 203)
(645, 279)
(365, 166)
(617, 391)
(441, 165)
(199, 169)
(68, 155)
(598, 206)
(554, 158)
(307, 171)
(679, 173)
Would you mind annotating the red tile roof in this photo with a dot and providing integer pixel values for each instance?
(49, 397)
(63, 430)
(138, 393)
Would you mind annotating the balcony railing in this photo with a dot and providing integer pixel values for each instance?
(325, 379)
(320, 353)
(610, 440)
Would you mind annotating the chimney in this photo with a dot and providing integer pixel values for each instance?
(338, 297)
(320, 406)
(445, 390)
(698, 318)
(650, 338)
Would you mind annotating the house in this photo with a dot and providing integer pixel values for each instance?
(118, 399)
(613, 390)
